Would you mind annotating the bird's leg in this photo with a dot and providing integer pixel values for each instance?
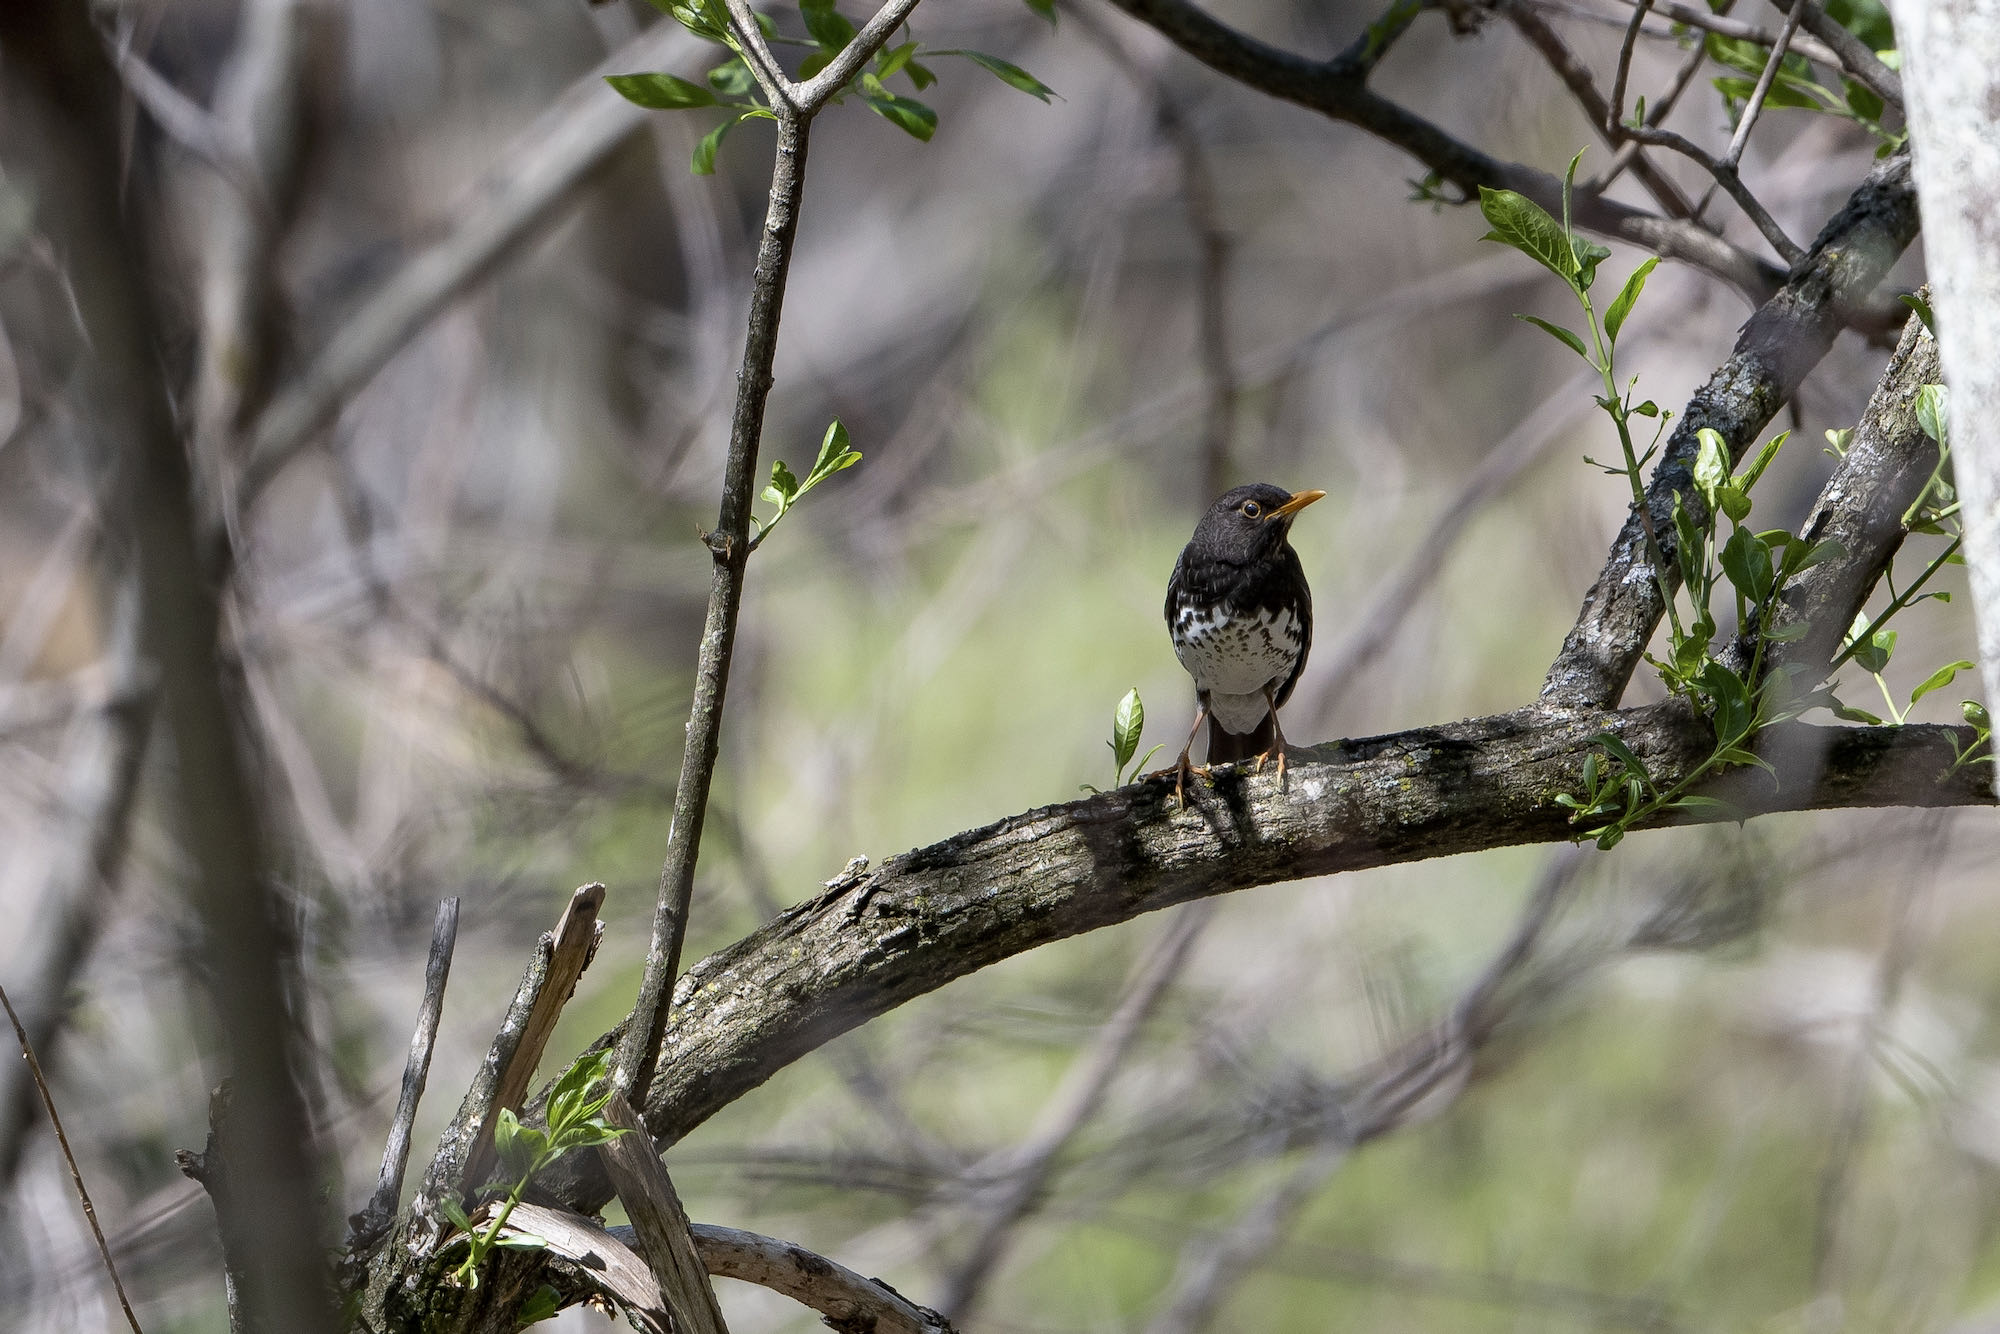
(1277, 743)
(1182, 768)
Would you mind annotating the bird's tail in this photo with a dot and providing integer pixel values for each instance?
(1231, 747)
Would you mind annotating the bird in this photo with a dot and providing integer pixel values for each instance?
(1240, 615)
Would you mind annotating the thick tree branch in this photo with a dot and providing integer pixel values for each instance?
(941, 912)
(1782, 342)
(1337, 89)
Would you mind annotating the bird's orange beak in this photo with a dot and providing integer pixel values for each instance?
(1294, 505)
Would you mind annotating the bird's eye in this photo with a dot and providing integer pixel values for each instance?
(1251, 509)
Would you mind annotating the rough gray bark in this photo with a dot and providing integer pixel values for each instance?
(1951, 53)
(1782, 342)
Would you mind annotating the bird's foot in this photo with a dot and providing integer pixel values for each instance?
(1182, 769)
(1257, 767)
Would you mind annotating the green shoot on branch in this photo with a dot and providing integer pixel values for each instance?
(576, 1102)
(1128, 720)
(785, 490)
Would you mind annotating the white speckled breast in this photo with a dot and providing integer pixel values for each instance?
(1234, 658)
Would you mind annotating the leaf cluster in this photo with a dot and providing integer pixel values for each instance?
(1794, 86)
(574, 1120)
(733, 86)
(836, 454)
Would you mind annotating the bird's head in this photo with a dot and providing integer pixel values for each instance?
(1250, 522)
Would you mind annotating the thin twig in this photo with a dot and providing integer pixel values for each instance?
(1741, 138)
(1602, 115)
(1716, 21)
(1726, 177)
(1624, 72)
(75, 1175)
(1656, 113)
(729, 545)
(381, 1206)
(818, 90)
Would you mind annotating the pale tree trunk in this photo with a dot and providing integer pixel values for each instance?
(1951, 64)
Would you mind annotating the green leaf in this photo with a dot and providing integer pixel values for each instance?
(1733, 503)
(1934, 413)
(1126, 724)
(1525, 225)
(1874, 653)
(543, 1305)
(1922, 308)
(1568, 337)
(1940, 678)
(1628, 296)
(660, 92)
(835, 453)
(1975, 713)
(1695, 802)
(1854, 715)
(1863, 101)
(1647, 409)
(1748, 477)
(522, 1241)
(920, 75)
(784, 487)
(1819, 553)
(1045, 8)
(1011, 75)
(1782, 93)
(826, 25)
(1623, 754)
(1747, 562)
(1589, 255)
(905, 113)
(732, 78)
(1711, 464)
(455, 1212)
(894, 59)
(1788, 632)
(703, 162)
(704, 18)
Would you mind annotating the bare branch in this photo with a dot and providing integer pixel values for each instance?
(69, 92)
(1339, 92)
(843, 1297)
(374, 1218)
(1656, 112)
(1603, 116)
(1741, 139)
(69, 1159)
(816, 91)
(570, 948)
(660, 1222)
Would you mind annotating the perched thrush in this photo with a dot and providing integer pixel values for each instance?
(1241, 618)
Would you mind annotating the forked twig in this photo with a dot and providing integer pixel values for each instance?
(69, 1158)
